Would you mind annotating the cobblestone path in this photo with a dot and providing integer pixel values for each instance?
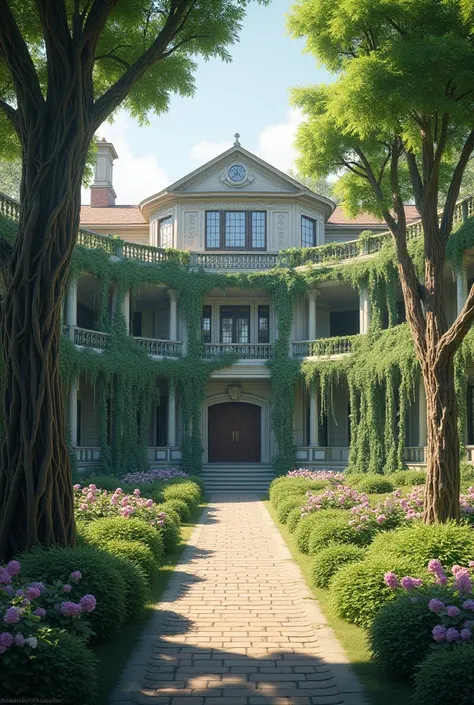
(237, 624)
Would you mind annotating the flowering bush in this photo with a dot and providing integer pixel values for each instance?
(394, 511)
(155, 475)
(90, 503)
(334, 478)
(341, 497)
(455, 620)
(26, 608)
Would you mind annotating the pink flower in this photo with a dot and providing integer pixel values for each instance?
(76, 575)
(66, 588)
(83, 507)
(92, 487)
(149, 503)
(409, 583)
(391, 580)
(12, 568)
(136, 492)
(439, 633)
(465, 634)
(452, 634)
(12, 615)
(6, 639)
(453, 611)
(88, 603)
(462, 580)
(435, 605)
(380, 519)
(40, 612)
(76, 487)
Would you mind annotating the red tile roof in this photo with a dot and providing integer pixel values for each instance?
(339, 218)
(113, 215)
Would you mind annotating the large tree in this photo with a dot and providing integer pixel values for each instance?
(65, 67)
(398, 121)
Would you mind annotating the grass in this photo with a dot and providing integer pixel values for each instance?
(114, 653)
(380, 690)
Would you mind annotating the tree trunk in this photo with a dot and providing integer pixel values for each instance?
(442, 472)
(36, 496)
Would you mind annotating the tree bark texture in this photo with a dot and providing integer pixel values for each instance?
(36, 496)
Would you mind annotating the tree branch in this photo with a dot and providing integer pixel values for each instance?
(455, 186)
(416, 180)
(452, 339)
(11, 113)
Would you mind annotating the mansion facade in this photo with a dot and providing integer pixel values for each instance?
(236, 214)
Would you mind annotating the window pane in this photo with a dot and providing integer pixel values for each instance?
(206, 324)
(166, 232)
(213, 229)
(308, 232)
(226, 329)
(258, 229)
(263, 324)
(235, 229)
(242, 326)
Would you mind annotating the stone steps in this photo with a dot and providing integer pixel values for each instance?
(237, 477)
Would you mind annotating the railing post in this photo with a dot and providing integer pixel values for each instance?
(173, 314)
(71, 308)
(193, 261)
(171, 415)
(312, 296)
(364, 310)
(465, 210)
(461, 287)
(313, 417)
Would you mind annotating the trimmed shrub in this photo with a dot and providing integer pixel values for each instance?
(400, 636)
(330, 559)
(467, 471)
(100, 576)
(103, 482)
(446, 676)
(449, 543)
(338, 531)
(187, 491)
(134, 551)
(104, 530)
(136, 587)
(170, 512)
(294, 487)
(62, 671)
(408, 477)
(285, 507)
(358, 590)
(180, 507)
(171, 534)
(375, 484)
(293, 519)
(305, 526)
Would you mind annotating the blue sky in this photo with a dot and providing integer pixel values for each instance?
(249, 96)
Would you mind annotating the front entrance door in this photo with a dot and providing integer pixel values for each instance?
(234, 433)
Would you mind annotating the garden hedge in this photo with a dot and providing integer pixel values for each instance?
(308, 522)
(100, 531)
(335, 530)
(446, 676)
(329, 560)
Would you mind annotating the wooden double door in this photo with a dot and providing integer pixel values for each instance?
(234, 433)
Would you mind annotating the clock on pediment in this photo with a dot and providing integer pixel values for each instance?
(236, 176)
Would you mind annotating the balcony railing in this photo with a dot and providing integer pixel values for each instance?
(324, 254)
(90, 338)
(244, 351)
(324, 347)
(160, 348)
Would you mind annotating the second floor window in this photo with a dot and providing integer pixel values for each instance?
(206, 330)
(165, 232)
(308, 232)
(263, 324)
(236, 230)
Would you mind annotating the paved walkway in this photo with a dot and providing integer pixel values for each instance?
(237, 624)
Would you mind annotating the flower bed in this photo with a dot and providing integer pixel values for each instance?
(155, 475)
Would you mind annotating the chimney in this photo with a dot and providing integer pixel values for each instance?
(102, 190)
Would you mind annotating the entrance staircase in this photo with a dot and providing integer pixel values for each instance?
(237, 477)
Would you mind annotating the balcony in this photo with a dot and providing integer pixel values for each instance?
(243, 351)
(234, 261)
(160, 348)
(324, 347)
(98, 340)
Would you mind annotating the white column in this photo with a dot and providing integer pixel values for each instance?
(72, 412)
(461, 288)
(312, 296)
(126, 310)
(71, 304)
(171, 415)
(313, 417)
(173, 314)
(364, 310)
(421, 413)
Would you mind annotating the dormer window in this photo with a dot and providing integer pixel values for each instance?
(308, 231)
(236, 230)
(165, 232)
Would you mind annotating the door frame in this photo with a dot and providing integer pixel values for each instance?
(264, 405)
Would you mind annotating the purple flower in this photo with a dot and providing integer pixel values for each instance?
(435, 605)
(468, 605)
(13, 568)
(452, 634)
(19, 640)
(453, 611)
(465, 634)
(66, 588)
(38, 586)
(391, 580)
(439, 633)
(32, 641)
(69, 609)
(409, 583)
(32, 593)
(5, 578)
(40, 612)
(434, 566)
(2, 649)
(6, 639)
(87, 603)
(12, 615)
(76, 575)
(462, 580)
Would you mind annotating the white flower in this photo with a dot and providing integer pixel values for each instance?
(32, 641)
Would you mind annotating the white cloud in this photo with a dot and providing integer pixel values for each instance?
(135, 177)
(275, 144)
(205, 150)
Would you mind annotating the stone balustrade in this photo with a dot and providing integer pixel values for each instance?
(160, 348)
(234, 261)
(243, 351)
(90, 338)
(324, 347)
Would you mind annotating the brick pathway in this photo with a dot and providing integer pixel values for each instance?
(237, 624)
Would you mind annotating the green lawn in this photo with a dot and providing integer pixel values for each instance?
(114, 653)
(380, 690)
